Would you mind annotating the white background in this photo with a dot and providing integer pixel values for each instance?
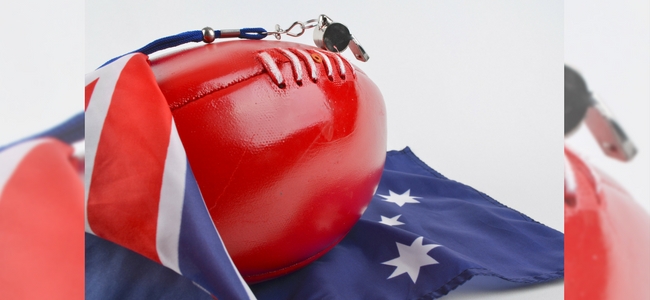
(475, 88)
(41, 65)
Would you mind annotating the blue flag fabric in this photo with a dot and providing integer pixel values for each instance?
(114, 272)
(422, 236)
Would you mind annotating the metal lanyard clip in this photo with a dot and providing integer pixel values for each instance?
(328, 35)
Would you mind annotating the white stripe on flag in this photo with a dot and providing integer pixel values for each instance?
(11, 158)
(95, 115)
(170, 209)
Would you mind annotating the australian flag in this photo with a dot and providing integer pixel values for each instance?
(422, 236)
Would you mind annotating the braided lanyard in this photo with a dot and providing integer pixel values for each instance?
(328, 35)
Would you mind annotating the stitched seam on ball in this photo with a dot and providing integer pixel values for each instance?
(184, 102)
(271, 67)
(328, 67)
(309, 61)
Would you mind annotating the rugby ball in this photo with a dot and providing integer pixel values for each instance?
(287, 143)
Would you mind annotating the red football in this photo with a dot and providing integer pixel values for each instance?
(287, 143)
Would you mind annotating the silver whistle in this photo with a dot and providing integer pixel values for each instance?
(580, 105)
(336, 37)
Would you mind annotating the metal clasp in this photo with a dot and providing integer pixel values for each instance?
(328, 35)
(300, 25)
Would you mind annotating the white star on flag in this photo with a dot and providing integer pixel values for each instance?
(400, 199)
(391, 221)
(411, 259)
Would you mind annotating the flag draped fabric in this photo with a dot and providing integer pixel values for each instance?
(41, 213)
(140, 191)
(422, 235)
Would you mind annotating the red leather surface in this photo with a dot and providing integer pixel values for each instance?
(607, 239)
(285, 169)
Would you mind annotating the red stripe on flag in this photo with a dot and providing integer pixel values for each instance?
(41, 216)
(127, 176)
(89, 91)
